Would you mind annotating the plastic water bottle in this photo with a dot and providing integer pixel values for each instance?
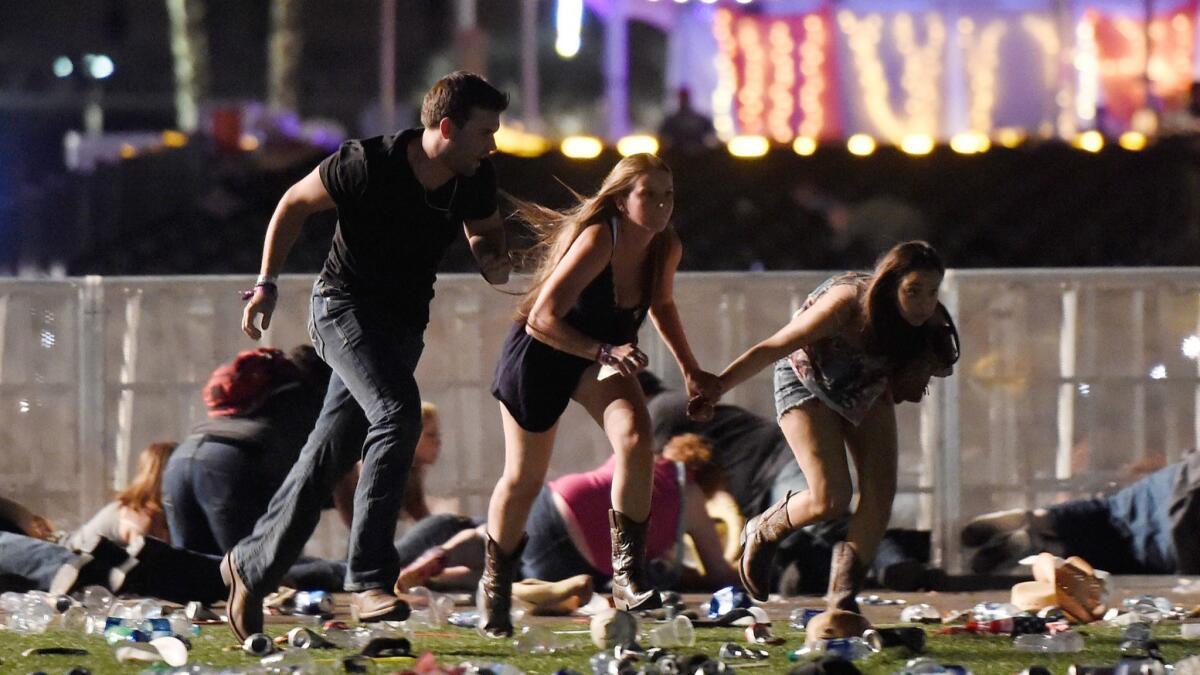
(536, 640)
(603, 663)
(991, 611)
(495, 668)
(921, 613)
(1139, 667)
(147, 609)
(468, 618)
(851, 649)
(802, 615)
(1057, 643)
(11, 602)
(32, 615)
(97, 598)
(1150, 608)
(74, 619)
(182, 625)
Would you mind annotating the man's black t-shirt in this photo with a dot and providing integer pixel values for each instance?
(749, 449)
(392, 233)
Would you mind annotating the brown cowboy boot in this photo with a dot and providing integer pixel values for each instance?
(630, 590)
(846, 576)
(760, 539)
(494, 597)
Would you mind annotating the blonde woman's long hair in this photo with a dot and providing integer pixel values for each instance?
(554, 231)
(144, 493)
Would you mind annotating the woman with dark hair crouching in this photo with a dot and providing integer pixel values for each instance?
(860, 344)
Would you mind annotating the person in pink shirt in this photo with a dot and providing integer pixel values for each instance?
(568, 533)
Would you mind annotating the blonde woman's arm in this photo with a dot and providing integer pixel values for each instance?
(583, 262)
(665, 316)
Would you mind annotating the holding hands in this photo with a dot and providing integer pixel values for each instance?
(704, 390)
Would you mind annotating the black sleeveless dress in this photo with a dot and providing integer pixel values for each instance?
(535, 381)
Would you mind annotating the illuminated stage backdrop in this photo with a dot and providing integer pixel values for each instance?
(914, 70)
(1120, 52)
(776, 75)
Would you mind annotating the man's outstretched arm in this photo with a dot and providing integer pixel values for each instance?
(303, 199)
(489, 247)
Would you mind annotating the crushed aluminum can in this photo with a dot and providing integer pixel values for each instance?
(303, 638)
(909, 637)
(258, 644)
(732, 650)
(726, 600)
(313, 602)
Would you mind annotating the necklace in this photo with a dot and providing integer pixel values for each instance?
(449, 203)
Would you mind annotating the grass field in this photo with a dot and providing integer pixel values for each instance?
(989, 655)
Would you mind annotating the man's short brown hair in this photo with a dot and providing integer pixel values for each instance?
(456, 94)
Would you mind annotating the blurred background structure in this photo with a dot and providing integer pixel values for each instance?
(143, 138)
(155, 137)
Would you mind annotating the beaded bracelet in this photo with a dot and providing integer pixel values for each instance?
(604, 355)
(267, 286)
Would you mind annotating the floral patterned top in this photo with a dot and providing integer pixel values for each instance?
(840, 374)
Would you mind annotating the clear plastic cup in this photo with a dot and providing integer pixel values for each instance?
(677, 632)
(1066, 642)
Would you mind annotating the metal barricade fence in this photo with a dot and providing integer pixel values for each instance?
(1070, 379)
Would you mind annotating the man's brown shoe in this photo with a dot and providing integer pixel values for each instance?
(377, 604)
(243, 607)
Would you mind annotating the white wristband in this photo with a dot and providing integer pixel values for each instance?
(266, 278)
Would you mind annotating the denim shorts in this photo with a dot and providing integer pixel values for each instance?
(789, 391)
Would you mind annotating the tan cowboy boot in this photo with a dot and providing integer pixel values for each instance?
(494, 597)
(760, 539)
(630, 590)
(846, 576)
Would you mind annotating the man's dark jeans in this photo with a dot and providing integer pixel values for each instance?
(214, 492)
(373, 361)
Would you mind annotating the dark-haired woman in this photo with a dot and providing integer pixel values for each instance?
(861, 343)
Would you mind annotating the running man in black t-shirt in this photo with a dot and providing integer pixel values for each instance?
(400, 200)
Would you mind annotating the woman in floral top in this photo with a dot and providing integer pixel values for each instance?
(860, 344)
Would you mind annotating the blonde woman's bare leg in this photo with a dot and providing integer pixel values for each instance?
(526, 459)
(618, 405)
